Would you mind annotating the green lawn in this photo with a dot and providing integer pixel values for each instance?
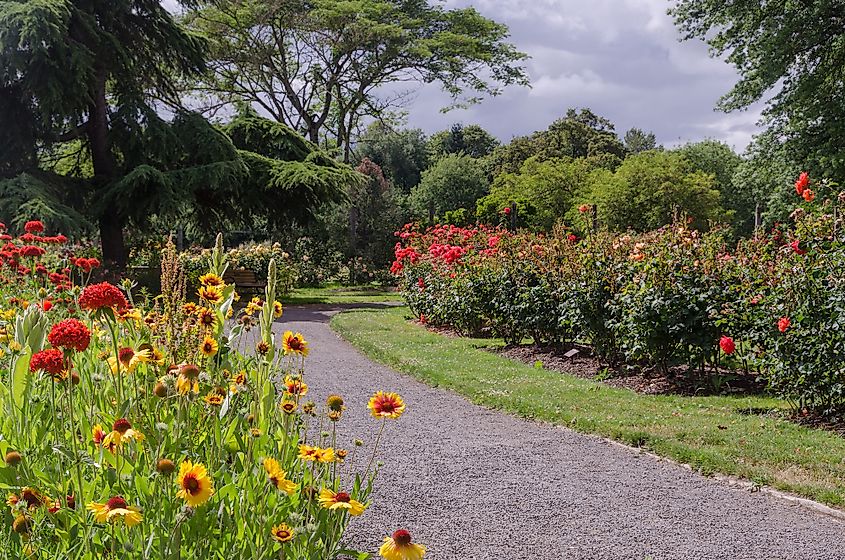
(334, 294)
(725, 435)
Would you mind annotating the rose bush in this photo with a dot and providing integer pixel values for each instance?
(664, 298)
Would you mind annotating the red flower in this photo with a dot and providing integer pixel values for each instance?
(46, 305)
(34, 226)
(31, 251)
(783, 324)
(798, 250)
(802, 183)
(809, 195)
(421, 283)
(99, 296)
(584, 208)
(507, 210)
(572, 238)
(423, 319)
(70, 334)
(51, 361)
(727, 345)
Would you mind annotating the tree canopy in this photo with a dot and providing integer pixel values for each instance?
(471, 140)
(789, 52)
(82, 86)
(324, 66)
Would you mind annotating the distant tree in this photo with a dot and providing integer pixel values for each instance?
(581, 133)
(401, 154)
(455, 181)
(637, 141)
(471, 140)
(543, 192)
(794, 50)
(649, 189)
(719, 160)
(323, 66)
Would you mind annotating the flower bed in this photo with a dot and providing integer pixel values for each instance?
(159, 429)
(774, 304)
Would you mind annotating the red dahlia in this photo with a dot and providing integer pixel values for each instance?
(99, 296)
(70, 334)
(34, 226)
(51, 361)
(727, 345)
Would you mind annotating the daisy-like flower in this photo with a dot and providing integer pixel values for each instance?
(211, 279)
(189, 308)
(121, 431)
(288, 406)
(386, 405)
(282, 533)
(295, 387)
(214, 399)
(206, 317)
(254, 306)
(238, 381)
(115, 510)
(325, 455)
(294, 344)
(97, 434)
(277, 477)
(130, 359)
(209, 347)
(187, 380)
(277, 309)
(399, 547)
(211, 294)
(340, 501)
(195, 486)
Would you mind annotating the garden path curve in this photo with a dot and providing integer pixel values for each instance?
(476, 484)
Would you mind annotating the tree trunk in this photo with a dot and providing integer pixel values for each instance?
(105, 171)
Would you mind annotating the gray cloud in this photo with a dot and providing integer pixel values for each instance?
(621, 58)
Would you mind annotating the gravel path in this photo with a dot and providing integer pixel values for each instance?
(475, 484)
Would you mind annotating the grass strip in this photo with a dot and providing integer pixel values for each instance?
(744, 436)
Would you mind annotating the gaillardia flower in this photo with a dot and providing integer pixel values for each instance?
(340, 501)
(294, 344)
(209, 347)
(277, 477)
(386, 405)
(116, 509)
(295, 386)
(121, 431)
(282, 533)
(399, 547)
(195, 486)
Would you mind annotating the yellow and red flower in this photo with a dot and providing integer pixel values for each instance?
(340, 501)
(195, 486)
(282, 533)
(277, 477)
(386, 405)
(294, 343)
(115, 510)
(400, 547)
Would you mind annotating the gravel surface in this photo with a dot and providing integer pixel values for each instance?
(475, 484)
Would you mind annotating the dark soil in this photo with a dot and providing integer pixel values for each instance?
(681, 380)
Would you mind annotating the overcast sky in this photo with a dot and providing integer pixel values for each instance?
(620, 58)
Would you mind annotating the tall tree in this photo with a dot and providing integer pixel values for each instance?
(793, 50)
(471, 140)
(80, 83)
(401, 154)
(323, 66)
(637, 141)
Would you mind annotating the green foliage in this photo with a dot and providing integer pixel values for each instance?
(651, 189)
(471, 140)
(580, 134)
(321, 66)
(543, 190)
(454, 181)
(401, 154)
(793, 49)
(637, 140)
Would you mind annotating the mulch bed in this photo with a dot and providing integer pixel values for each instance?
(646, 380)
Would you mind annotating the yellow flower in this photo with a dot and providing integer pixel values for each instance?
(254, 306)
(399, 547)
(209, 346)
(294, 344)
(214, 398)
(340, 501)
(211, 279)
(277, 476)
(130, 359)
(134, 314)
(386, 405)
(282, 533)
(277, 309)
(211, 294)
(294, 386)
(121, 431)
(116, 509)
(195, 486)
(238, 381)
(207, 318)
(288, 407)
(325, 455)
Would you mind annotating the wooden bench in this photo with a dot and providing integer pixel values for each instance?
(244, 280)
